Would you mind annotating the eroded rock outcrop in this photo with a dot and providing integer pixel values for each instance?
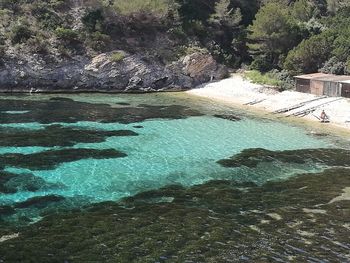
(129, 73)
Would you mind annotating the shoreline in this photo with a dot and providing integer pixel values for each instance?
(84, 91)
(237, 92)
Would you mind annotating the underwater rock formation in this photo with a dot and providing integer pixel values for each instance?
(227, 117)
(47, 160)
(252, 157)
(219, 221)
(56, 135)
(70, 111)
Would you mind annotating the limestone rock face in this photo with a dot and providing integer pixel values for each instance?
(130, 73)
(201, 66)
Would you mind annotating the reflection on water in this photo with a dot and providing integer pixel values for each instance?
(113, 179)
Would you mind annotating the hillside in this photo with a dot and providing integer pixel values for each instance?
(151, 45)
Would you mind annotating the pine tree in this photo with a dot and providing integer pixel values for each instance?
(224, 15)
(334, 5)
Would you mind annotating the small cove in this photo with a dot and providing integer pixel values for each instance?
(175, 142)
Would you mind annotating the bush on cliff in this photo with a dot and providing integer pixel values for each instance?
(20, 33)
(66, 34)
(156, 7)
(2, 46)
(117, 57)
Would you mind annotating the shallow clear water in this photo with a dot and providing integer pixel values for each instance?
(190, 185)
(166, 152)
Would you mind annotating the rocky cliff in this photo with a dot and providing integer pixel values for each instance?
(69, 45)
(103, 73)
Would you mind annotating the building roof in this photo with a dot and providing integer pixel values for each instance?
(345, 81)
(324, 77)
(334, 78)
(311, 76)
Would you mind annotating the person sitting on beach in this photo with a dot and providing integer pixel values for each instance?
(324, 117)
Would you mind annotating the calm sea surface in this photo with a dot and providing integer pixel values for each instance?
(166, 178)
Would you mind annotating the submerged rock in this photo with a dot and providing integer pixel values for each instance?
(61, 99)
(123, 103)
(56, 135)
(252, 157)
(39, 201)
(4, 178)
(47, 160)
(6, 210)
(70, 111)
(212, 222)
(11, 183)
(227, 117)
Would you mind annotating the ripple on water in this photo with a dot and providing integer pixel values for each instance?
(183, 151)
(176, 145)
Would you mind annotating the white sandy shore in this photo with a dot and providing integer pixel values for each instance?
(239, 91)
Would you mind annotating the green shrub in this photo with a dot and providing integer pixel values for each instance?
(57, 3)
(286, 80)
(5, 17)
(66, 34)
(2, 39)
(342, 44)
(47, 18)
(310, 54)
(117, 56)
(264, 79)
(178, 32)
(64, 51)
(223, 56)
(260, 63)
(195, 49)
(2, 51)
(302, 10)
(196, 28)
(98, 41)
(20, 34)
(347, 65)
(93, 20)
(38, 44)
(9, 4)
(156, 7)
(334, 66)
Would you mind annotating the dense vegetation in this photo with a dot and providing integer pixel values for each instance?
(283, 36)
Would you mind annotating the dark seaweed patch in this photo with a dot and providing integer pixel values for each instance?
(47, 160)
(39, 201)
(12, 183)
(6, 210)
(69, 111)
(4, 178)
(123, 103)
(220, 221)
(138, 126)
(56, 135)
(227, 117)
(61, 99)
(252, 157)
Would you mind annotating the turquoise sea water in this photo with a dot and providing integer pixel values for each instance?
(62, 157)
(167, 152)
